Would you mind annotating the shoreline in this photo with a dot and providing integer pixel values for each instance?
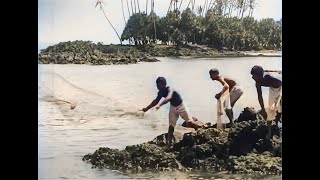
(86, 52)
(226, 56)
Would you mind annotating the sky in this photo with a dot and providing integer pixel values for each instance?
(70, 20)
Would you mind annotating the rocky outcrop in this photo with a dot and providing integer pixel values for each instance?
(241, 149)
(139, 157)
(264, 163)
(86, 52)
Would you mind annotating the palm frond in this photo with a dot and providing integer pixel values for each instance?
(99, 2)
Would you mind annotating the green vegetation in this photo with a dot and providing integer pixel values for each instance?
(214, 30)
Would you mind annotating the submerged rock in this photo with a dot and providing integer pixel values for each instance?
(241, 149)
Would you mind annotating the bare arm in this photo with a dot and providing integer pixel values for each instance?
(168, 98)
(260, 98)
(225, 86)
(153, 103)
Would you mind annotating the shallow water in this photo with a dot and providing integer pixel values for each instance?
(105, 98)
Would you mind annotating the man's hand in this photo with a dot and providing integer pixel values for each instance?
(157, 106)
(217, 96)
(263, 113)
(187, 124)
(144, 109)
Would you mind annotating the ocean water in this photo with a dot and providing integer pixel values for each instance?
(83, 107)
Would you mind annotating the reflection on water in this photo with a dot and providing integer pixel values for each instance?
(84, 107)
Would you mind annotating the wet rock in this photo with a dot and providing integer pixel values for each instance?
(135, 158)
(258, 163)
(246, 136)
(249, 113)
(241, 149)
(86, 52)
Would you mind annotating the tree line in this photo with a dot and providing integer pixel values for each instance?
(217, 23)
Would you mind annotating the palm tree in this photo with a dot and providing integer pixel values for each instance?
(176, 4)
(154, 21)
(180, 4)
(99, 2)
(188, 4)
(219, 7)
(252, 5)
(231, 7)
(132, 8)
(225, 5)
(200, 10)
(244, 7)
(208, 6)
(138, 5)
(170, 5)
(128, 8)
(204, 7)
(192, 2)
(147, 7)
(125, 21)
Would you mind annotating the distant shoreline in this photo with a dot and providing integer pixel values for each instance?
(86, 52)
(226, 56)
